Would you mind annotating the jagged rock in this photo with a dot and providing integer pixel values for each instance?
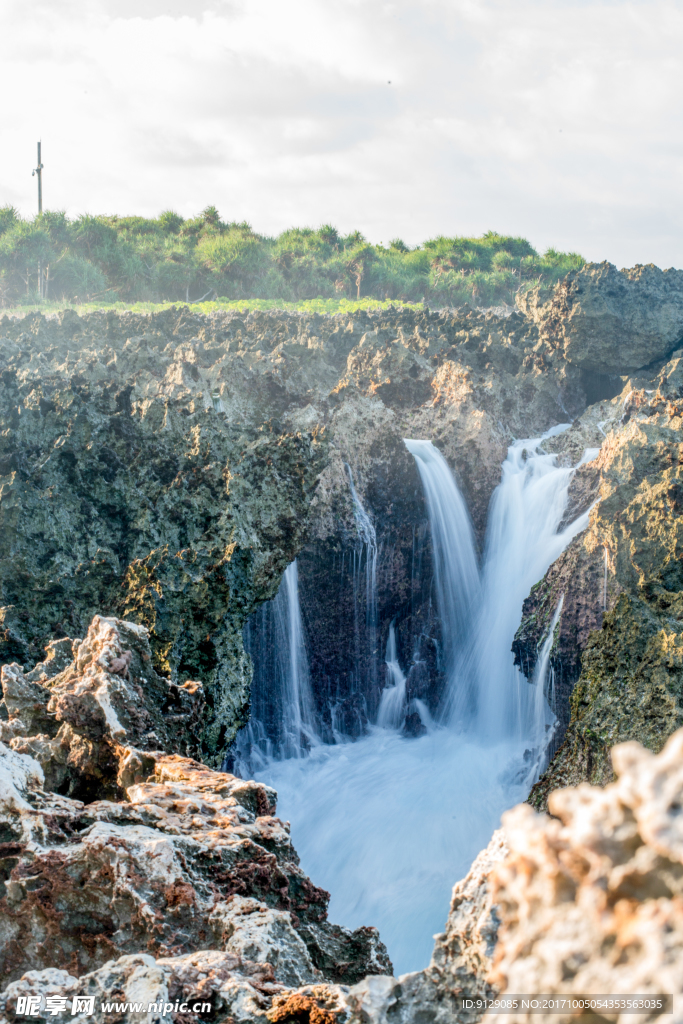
(611, 321)
(584, 902)
(232, 987)
(591, 903)
(245, 979)
(185, 858)
(90, 726)
(166, 468)
(617, 658)
(19, 776)
(252, 931)
(126, 492)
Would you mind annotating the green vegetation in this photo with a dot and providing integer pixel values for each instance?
(329, 306)
(117, 261)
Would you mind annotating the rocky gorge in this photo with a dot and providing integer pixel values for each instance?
(158, 473)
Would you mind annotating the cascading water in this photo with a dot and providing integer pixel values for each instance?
(522, 542)
(299, 716)
(368, 549)
(392, 705)
(283, 723)
(456, 576)
(387, 823)
(544, 718)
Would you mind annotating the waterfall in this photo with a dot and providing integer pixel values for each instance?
(368, 546)
(297, 699)
(392, 705)
(368, 538)
(485, 693)
(523, 540)
(604, 579)
(456, 576)
(283, 721)
(545, 720)
(387, 823)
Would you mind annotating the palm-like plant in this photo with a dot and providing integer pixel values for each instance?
(168, 256)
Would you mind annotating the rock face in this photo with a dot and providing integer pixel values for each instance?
(166, 468)
(92, 727)
(123, 491)
(618, 652)
(586, 902)
(183, 898)
(611, 321)
(161, 856)
(591, 903)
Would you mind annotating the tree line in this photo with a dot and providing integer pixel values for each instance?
(168, 258)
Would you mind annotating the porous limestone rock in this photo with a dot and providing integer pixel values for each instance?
(611, 321)
(586, 902)
(93, 723)
(590, 900)
(251, 977)
(124, 989)
(253, 931)
(125, 491)
(617, 656)
(162, 855)
(165, 468)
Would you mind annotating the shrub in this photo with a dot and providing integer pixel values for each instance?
(169, 258)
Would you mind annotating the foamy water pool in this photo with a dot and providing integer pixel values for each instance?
(388, 825)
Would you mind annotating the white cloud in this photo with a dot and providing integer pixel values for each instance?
(555, 119)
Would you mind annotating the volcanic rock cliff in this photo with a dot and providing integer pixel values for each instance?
(617, 655)
(167, 467)
(157, 475)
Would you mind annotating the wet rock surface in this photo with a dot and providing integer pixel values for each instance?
(617, 654)
(166, 468)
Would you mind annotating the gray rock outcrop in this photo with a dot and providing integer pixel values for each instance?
(611, 321)
(161, 855)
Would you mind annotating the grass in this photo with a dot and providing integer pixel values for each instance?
(328, 306)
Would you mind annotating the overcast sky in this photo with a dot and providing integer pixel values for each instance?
(559, 120)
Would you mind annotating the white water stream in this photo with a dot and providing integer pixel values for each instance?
(387, 824)
(289, 687)
(392, 704)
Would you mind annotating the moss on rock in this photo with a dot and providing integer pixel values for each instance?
(123, 494)
(631, 558)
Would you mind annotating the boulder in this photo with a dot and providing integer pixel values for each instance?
(610, 321)
(590, 899)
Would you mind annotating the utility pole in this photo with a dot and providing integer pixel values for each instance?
(39, 171)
